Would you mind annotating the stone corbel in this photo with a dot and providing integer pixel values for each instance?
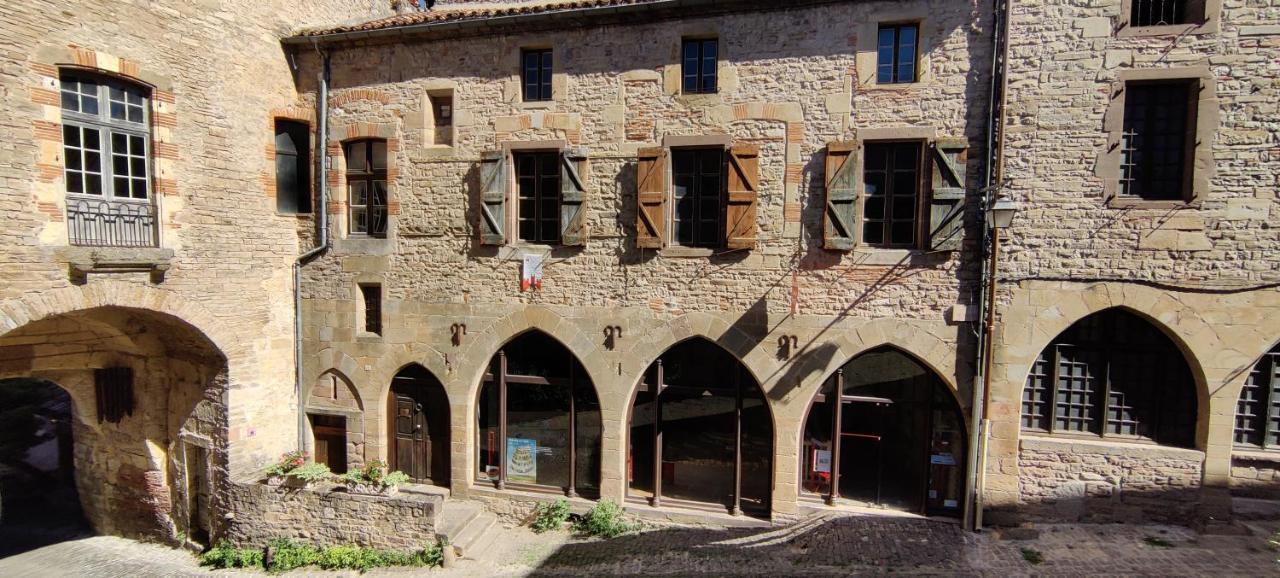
(82, 261)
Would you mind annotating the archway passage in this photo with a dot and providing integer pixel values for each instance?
(38, 500)
(1112, 375)
(419, 410)
(539, 419)
(895, 438)
(701, 433)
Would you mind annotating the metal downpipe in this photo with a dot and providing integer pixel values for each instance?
(322, 241)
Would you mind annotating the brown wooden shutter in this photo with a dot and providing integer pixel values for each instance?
(651, 197)
(840, 215)
(493, 197)
(743, 194)
(946, 203)
(573, 209)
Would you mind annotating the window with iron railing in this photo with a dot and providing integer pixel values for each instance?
(1158, 140)
(1159, 12)
(106, 144)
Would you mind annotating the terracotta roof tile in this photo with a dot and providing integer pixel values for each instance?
(450, 14)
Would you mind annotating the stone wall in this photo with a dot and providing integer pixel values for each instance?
(328, 516)
(1255, 475)
(1064, 480)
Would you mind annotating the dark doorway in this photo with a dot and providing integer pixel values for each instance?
(899, 437)
(701, 433)
(419, 426)
(39, 504)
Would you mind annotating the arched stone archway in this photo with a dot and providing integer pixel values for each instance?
(335, 418)
(893, 436)
(150, 424)
(418, 427)
(700, 432)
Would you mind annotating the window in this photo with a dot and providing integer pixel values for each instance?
(371, 296)
(698, 176)
(1258, 410)
(113, 390)
(1112, 375)
(367, 186)
(1155, 147)
(698, 65)
(1158, 12)
(293, 167)
(538, 192)
(891, 185)
(106, 152)
(442, 118)
(536, 74)
(896, 53)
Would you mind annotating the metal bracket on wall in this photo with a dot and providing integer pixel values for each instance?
(612, 333)
(787, 346)
(457, 332)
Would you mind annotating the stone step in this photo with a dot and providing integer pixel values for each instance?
(475, 536)
(454, 516)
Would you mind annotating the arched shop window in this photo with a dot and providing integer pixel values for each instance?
(539, 420)
(896, 438)
(1112, 375)
(701, 433)
(1258, 410)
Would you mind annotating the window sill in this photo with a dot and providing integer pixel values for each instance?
(1118, 202)
(363, 246)
(536, 104)
(1165, 30)
(897, 86)
(295, 215)
(866, 255)
(678, 252)
(1085, 444)
(84, 260)
(366, 337)
(1256, 455)
(699, 98)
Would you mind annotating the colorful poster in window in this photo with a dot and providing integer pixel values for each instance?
(531, 273)
(522, 460)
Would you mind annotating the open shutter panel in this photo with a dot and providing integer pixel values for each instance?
(840, 220)
(573, 208)
(493, 198)
(651, 197)
(946, 205)
(743, 185)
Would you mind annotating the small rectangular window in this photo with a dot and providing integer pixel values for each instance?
(1155, 148)
(1159, 12)
(538, 196)
(113, 388)
(896, 51)
(293, 167)
(536, 74)
(699, 179)
(372, 299)
(698, 62)
(442, 118)
(891, 191)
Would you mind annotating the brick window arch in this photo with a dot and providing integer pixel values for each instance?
(367, 186)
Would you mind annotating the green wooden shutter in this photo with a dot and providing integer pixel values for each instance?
(493, 198)
(573, 207)
(946, 202)
(840, 220)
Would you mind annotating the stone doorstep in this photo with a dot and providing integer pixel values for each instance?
(692, 517)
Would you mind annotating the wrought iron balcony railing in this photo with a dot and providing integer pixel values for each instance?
(100, 223)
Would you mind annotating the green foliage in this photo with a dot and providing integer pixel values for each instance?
(1033, 557)
(224, 555)
(312, 472)
(604, 520)
(289, 461)
(375, 472)
(550, 516)
(288, 555)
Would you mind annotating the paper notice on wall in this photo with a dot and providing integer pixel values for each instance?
(531, 273)
(522, 460)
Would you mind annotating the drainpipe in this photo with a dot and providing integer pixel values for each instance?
(979, 423)
(322, 242)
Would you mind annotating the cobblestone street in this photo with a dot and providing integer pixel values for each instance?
(829, 546)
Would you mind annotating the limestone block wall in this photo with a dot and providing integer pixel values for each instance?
(325, 516)
(1255, 474)
(1066, 480)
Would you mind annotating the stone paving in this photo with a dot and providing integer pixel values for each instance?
(824, 546)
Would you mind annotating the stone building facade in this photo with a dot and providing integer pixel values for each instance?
(515, 288)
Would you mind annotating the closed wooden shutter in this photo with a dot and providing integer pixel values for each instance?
(573, 209)
(651, 197)
(743, 195)
(840, 214)
(493, 198)
(946, 203)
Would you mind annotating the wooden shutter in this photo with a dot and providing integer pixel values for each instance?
(840, 215)
(946, 203)
(651, 197)
(573, 210)
(493, 198)
(743, 193)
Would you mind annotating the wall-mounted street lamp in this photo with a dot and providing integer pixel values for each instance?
(1000, 213)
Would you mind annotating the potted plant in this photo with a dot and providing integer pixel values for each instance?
(373, 480)
(295, 470)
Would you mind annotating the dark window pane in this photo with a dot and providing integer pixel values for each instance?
(896, 53)
(538, 187)
(891, 186)
(93, 184)
(699, 180)
(698, 65)
(75, 183)
(89, 105)
(1154, 151)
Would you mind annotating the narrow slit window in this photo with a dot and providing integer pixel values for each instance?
(293, 167)
(372, 297)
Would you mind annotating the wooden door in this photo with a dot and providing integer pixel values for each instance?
(412, 438)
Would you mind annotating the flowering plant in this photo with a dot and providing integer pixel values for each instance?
(289, 461)
(373, 477)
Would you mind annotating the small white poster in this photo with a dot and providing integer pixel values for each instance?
(822, 461)
(531, 273)
(522, 460)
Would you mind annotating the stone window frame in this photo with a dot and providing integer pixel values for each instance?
(671, 142)
(515, 82)
(700, 39)
(300, 116)
(1200, 163)
(926, 136)
(359, 331)
(1209, 22)
(867, 52)
(343, 242)
(672, 70)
